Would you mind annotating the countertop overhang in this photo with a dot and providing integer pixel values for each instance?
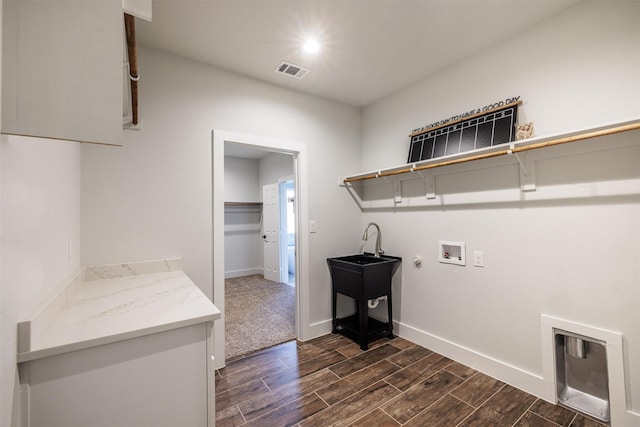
(110, 303)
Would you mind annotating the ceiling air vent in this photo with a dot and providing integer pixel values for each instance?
(292, 70)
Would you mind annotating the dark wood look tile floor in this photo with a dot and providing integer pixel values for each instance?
(329, 381)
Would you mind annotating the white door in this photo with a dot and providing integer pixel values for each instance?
(271, 227)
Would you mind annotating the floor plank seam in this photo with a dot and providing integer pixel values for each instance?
(320, 397)
(426, 408)
(573, 419)
(385, 380)
(529, 410)
(466, 403)
(543, 417)
(241, 414)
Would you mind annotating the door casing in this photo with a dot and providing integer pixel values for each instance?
(300, 159)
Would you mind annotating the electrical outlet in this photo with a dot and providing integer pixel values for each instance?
(478, 258)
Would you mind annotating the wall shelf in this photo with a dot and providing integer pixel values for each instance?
(243, 207)
(242, 204)
(516, 152)
(501, 150)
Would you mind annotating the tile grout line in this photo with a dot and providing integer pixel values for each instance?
(463, 383)
(385, 380)
(423, 410)
(388, 415)
(242, 414)
(480, 406)
(489, 398)
(320, 397)
(573, 419)
(315, 413)
(528, 410)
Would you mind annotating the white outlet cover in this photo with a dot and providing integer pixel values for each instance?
(478, 258)
(452, 252)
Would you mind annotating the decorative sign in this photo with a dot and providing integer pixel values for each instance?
(492, 125)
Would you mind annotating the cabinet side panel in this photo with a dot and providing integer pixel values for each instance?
(156, 380)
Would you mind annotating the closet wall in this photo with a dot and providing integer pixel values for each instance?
(242, 242)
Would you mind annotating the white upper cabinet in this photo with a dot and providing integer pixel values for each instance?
(62, 69)
(138, 8)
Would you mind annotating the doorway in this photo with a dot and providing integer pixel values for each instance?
(288, 231)
(300, 210)
(278, 223)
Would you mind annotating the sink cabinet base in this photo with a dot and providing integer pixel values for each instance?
(350, 327)
(362, 277)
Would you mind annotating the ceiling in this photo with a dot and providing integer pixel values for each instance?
(369, 48)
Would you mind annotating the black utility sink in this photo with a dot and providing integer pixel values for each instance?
(363, 277)
(363, 259)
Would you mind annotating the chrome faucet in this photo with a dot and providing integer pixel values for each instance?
(365, 236)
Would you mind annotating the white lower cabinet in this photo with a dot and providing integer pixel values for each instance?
(154, 380)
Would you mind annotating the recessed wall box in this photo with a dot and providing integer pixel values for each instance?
(451, 252)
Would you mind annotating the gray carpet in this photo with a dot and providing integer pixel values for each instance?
(259, 314)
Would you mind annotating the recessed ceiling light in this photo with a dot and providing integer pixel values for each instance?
(311, 46)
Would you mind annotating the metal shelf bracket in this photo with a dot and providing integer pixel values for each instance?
(527, 172)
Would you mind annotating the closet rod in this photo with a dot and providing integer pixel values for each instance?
(506, 151)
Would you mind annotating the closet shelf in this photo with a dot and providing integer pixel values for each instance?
(242, 204)
(509, 148)
(243, 207)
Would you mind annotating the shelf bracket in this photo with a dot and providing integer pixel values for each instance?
(527, 172)
(354, 193)
(430, 183)
(397, 191)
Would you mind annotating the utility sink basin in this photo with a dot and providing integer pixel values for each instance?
(364, 259)
(362, 277)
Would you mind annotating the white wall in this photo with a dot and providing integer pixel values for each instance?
(241, 182)
(242, 241)
(40, 214)
(571, 248)
(152, 198)
(274, 166)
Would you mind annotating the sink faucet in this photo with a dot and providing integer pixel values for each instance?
(365, 236)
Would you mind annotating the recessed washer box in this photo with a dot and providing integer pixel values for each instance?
(451, 252)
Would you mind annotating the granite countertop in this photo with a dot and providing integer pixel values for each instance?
(106, 304)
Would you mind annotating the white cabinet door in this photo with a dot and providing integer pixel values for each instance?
(271, 233)
(62, 69)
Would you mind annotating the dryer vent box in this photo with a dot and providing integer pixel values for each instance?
(451, 252)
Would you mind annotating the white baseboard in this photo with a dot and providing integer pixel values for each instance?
(241, 273)
(517, 377)
(316, 330)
